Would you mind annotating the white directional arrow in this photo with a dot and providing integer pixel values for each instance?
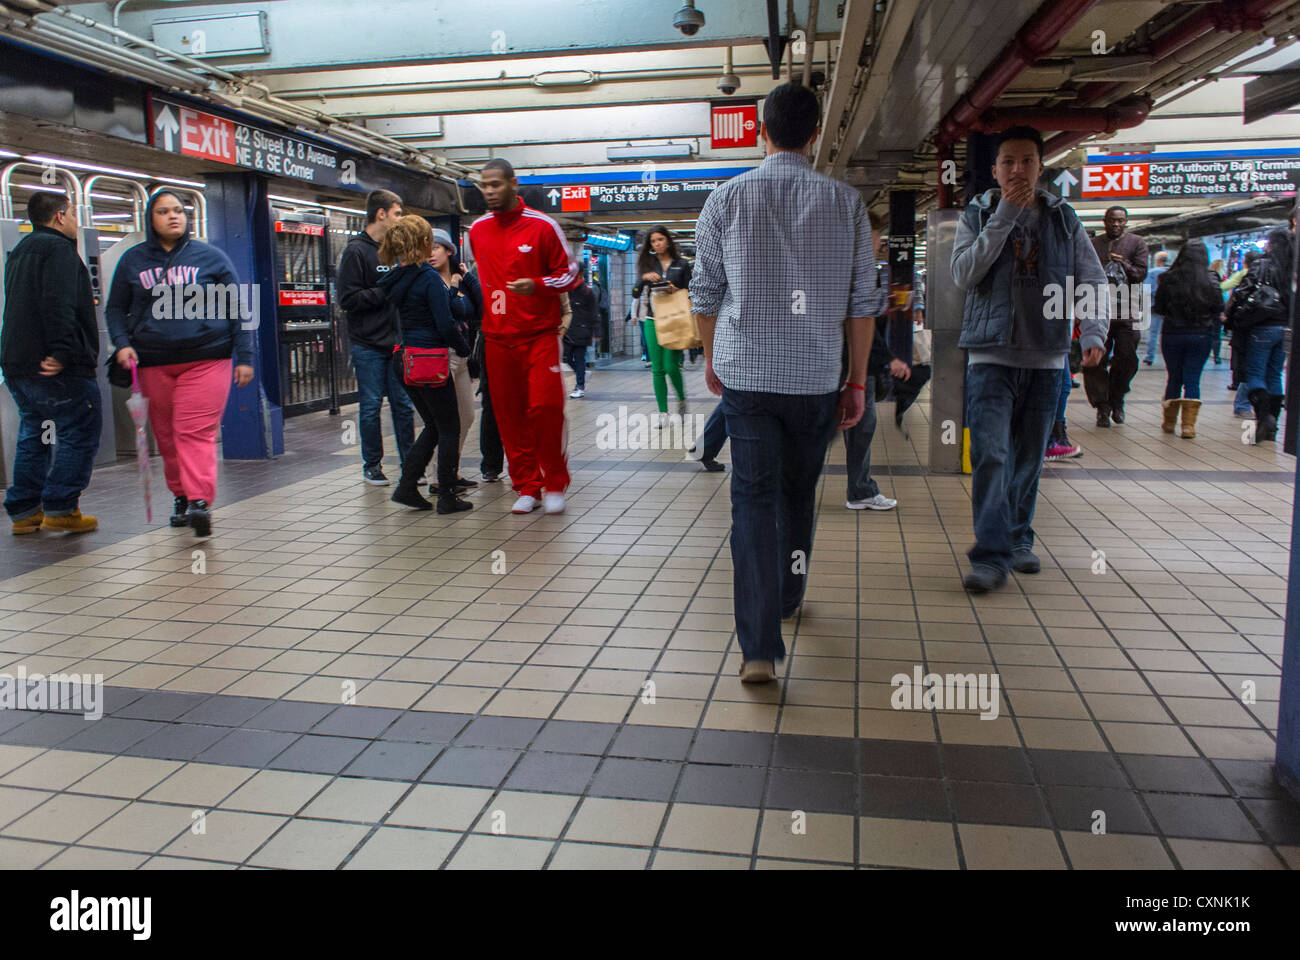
(165, 122)
(553, 195)
(1065, 180)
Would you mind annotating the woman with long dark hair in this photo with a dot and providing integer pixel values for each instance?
(185, 355)
(1188, 298)
(661, 263)
(1261, 305)
(424, 321)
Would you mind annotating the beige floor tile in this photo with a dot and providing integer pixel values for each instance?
(596, 856)
(1156, 738)
(817, 721)
(199, 784)
(617, 821)
(351, 798)
(486, 852)
(668, 713)
(271, 686)
(276, 791)
(517, 814)
(448, 699)
(404, 849)
(127, 777)
(387, 693)
(310, 845)
(439, 807)
(65, 818)
(1043, 734)
(677, 860)
(523, 703)
(1115, 851)
(25, 854)
(711, 829)
(1216, 855)
(1233, 744)
(973, 729)
(227, 836)
(82, 858)
(906, 843)
(146, 827)
(184, 863)
(597, 708)
(765, 864)
(734, 715)
(913, 725)
(54, 769)
(797, 835)
(15, 756)
(1009, 848)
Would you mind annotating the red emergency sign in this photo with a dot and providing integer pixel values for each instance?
(735, 126)
(575, 198)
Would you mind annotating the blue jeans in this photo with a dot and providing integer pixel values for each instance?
(62, 412)
(1264, 359)
(1153, 336)
(576, 357)
(857, 450)
(715, 434)
(1009, 411)
(778, 444)
(1064, 396)
(377, 375)
(1185, 355)
(1241, 402)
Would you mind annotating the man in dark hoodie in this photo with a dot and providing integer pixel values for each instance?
(49, 349)
(177, 311)
(372, 328)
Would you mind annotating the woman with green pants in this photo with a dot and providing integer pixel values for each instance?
(661, 263)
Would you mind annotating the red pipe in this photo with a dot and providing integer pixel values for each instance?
(1035, 40)
(1118, 116)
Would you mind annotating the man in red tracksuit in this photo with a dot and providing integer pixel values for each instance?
(524, 266)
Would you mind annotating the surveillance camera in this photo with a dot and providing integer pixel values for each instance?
(729, 83)
(688, 20)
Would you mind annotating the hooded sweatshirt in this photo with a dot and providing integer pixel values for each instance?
(177, 306)
(423, 308)
(372, 322)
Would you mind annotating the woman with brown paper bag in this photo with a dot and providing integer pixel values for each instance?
(665, 277)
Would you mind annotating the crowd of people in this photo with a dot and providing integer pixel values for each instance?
(789, 294)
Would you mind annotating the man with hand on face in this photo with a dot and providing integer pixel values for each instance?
(1014, 249)
(1108, 382)
(524, 266)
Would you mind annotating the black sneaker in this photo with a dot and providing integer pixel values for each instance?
(712, 466)
(983, 578)
(410, 497)
(200, 518)
(179, 517)
(1103, 416)
(1117, 414)
(1026, 562)
(491, 477)
(453, 505)
(466, 484)
(374, 476)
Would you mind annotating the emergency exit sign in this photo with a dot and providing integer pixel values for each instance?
(1193, 176)
(569, 198)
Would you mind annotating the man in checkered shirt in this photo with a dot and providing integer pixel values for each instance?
(783, 265)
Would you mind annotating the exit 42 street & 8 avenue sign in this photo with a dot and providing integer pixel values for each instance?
(1191, 177)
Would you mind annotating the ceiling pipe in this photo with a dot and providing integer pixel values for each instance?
(1033, 41)
(1118, 116)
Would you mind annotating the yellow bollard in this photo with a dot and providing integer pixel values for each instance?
(965, 450)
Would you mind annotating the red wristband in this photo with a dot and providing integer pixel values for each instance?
(856, 386)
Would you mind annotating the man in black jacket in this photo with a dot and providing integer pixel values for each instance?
(372, 328)
(49, 350)
(582, 301)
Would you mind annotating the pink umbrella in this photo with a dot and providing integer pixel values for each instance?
(138, 404)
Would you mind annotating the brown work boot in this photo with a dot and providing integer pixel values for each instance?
(28, 524)
(1191, 408)
(74, 522)
(1171, 415)
(757, 671)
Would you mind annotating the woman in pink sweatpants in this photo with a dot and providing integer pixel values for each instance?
(171, 313)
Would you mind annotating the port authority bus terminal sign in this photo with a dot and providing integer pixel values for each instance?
(656, 194)
(178, 128)
(1192, 177)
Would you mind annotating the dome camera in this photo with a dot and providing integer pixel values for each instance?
(688, 20)
(729, 83)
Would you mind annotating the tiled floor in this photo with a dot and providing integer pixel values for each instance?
(332, 681)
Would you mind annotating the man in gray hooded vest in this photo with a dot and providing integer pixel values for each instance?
(1023, 258)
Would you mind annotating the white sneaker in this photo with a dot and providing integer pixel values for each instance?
(681, 407)
(524, 504)
(659, 420)
(577, 394)
(554, 502)
(878, 502)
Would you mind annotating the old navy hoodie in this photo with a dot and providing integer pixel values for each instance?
(208, 325)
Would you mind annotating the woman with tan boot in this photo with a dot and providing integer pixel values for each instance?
(1188, 298)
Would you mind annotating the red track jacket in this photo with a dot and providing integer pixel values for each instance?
(513, 245)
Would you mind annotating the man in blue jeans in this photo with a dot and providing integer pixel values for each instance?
(1015, 248)
(784, 263)
(372, 329)
(49, 351)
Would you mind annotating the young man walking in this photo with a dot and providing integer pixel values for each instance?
(49, 352)
(1015, 248)
(784, 262)
(372, 328)
(524, 265)
(1108, 382)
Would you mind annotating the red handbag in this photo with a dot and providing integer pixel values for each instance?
(424, 366)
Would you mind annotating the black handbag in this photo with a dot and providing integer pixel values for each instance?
(118, 375)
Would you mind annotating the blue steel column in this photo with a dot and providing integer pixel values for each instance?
(239, 222)
(1288, 709)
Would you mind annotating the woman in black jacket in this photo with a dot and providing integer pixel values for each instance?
(582, 303)
(659, 263)
(424, 320)
(467, 311)
(1188, 298)
(1259, 312)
